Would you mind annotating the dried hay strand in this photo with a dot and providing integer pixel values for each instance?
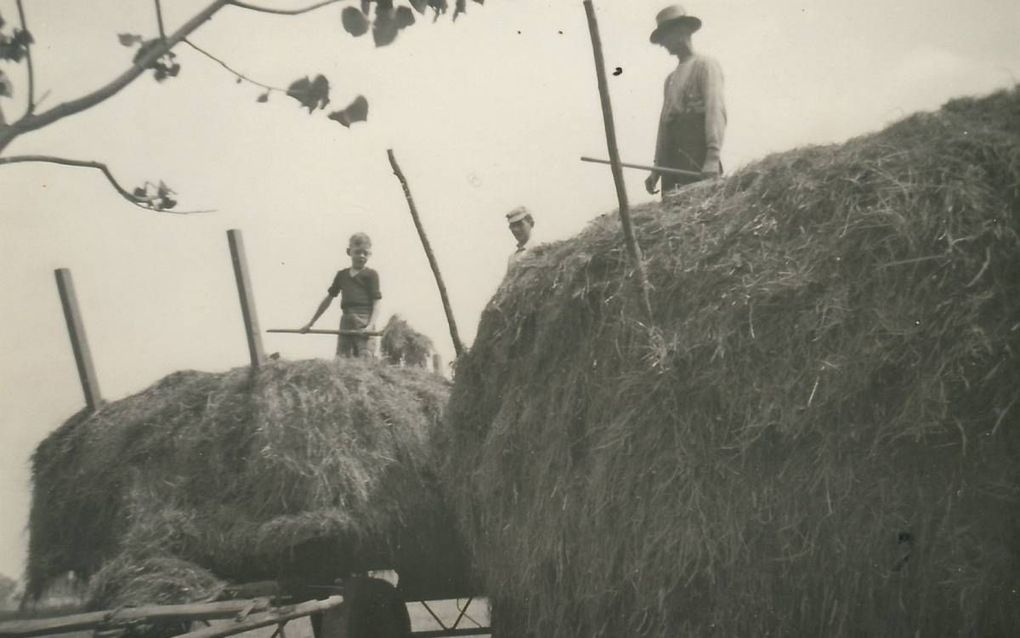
(128, 581)
(815, 436)
(403, 345)
(302, 471)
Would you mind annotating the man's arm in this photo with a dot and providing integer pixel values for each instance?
(323, 305)
(661, 143)
(715, 117)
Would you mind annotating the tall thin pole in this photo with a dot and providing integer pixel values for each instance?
(244, 292)
(614, 155)
(458, 347)
(79, 344)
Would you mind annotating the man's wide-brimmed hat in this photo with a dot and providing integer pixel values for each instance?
(672, 15)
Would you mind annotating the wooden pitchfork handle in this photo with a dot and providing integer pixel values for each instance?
(353, 333)
(658, 169)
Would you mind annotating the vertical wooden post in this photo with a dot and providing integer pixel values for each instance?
(79, 343)
(614, 155)
(251, 320)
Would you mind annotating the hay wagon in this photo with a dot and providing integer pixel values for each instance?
(301, 479)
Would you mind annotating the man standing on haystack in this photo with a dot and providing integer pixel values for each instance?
(693, 118)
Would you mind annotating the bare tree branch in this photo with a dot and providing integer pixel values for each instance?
(283, 12)
(234, 71)
(39, 120)
(28, 62)
(141, 202)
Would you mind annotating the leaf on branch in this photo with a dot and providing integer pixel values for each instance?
(312, 94)
(162, 67)
(405, 17)
(14, 47)
(419, 5)
(365, 6)
(384, 31)
(356, 111)
(263, 97)
(355, 22)
(154, 196)
(6, 88)
(129, 39)
(439, 6)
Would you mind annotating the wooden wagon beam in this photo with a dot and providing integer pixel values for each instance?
(152, 613)
(278, 616)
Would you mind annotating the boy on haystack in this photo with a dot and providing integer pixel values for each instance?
(358, 287)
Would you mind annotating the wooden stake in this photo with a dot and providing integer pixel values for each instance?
(614, 155)
(79, 343)
(457, 345)
(244, 291)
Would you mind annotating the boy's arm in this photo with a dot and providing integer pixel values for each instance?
(373, 317)
(376, 296)
(323, 305)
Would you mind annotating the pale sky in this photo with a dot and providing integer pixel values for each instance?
(484, 115)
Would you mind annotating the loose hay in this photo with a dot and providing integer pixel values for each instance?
(303, 472)
(815, 435)
(128, 581)
(402, 344)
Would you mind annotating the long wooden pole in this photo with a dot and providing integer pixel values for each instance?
(313, 331)
(458, 347)
(247, 298)
(614, 155)
(79, 343)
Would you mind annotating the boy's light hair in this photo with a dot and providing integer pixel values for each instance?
(360, 240)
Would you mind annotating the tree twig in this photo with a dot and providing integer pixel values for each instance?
(141, 202)
(36, 121)
(283, 12)
(159, 20)
(232, 70)
(458, 347)
(28, 61)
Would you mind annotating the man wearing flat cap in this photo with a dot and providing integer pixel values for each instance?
(521, 222)
(693, 118)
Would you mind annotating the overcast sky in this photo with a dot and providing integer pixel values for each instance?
(484, 115)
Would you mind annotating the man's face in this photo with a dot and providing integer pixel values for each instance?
(521, 230)
(676, 39)
(359, 256)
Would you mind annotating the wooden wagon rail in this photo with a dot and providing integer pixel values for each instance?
(246, 615)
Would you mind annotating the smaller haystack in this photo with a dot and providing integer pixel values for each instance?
(403, 345)
(301, 472)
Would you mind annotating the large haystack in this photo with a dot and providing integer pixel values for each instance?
(301, 472)
(815, 435)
